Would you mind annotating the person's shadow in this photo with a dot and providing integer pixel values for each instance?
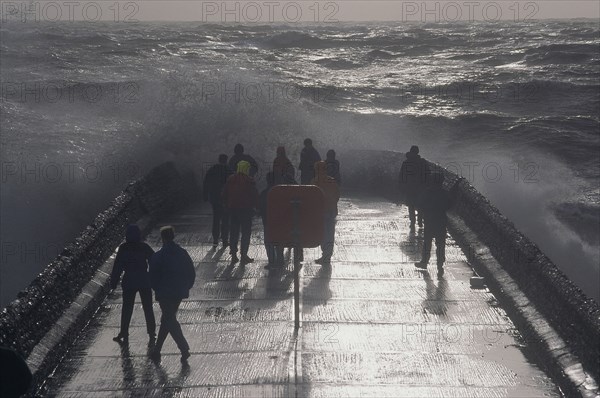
(317, 291)
(170, 387)
(127, 366)
(412, 247)
(436, 296)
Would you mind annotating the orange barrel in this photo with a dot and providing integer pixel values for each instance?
(295, 215)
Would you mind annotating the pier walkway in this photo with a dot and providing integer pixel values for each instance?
(372, 325)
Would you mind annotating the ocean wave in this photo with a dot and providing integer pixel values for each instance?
(557, 57)
(381, 54)
(337, 63)
(290, 39)
(581, 217)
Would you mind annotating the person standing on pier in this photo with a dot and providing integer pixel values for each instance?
(434, 203)
(238, 155)
(308, 157)
(214, 181)
(283, 170)
(241, 197)
(333, 166)
(413, 175)
(331, 190)
(274, 252)
(132, 259)
(172, 275)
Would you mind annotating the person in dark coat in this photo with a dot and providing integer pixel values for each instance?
(172, 275)
(331, 191)
(413, 175)
(239, 154)
(274, 252)
(132, 261)
(214, 181)
(15, 376)
(308, 157)
(434, 203)
(241, 197)
(333, 166)
(283, 170)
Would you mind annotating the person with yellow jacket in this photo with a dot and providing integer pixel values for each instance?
(241, 197)
(331, 189)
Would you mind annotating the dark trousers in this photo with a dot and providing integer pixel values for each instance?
(306, 177)
(241, 221)
(170, 325)
(413, 213)
(127, 310)
(328, 235)
(220, 222)
(274, 252)
(439, 234)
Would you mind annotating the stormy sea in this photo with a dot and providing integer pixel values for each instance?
(513, 107)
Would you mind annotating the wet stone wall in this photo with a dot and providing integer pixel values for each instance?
(575, 316)
(26, 320)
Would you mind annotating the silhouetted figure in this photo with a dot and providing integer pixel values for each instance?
(283, 170)
(172, 276)
(331, 190)
(274, 252)
(132, 261)
(239, 155)
(308, 157)
(333, 166)
(15, 376)
(434, 203)
(214, 182)
(413, 175)
(241, 197)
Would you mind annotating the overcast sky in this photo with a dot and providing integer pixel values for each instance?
(272, 11)
(361, 10)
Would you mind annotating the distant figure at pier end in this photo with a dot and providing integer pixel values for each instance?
(434, 203)
(413, 175)
(308, 157)
(331, 190)
(241, 197)
(239, 155)
(283, 170)
(214, 182)
(333, 166)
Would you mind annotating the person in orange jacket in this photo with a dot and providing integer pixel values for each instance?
(331, 189)
(241, 197)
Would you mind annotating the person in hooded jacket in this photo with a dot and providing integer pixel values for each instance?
(413, 178)
(172, 275)
(331, 190)
(214, 181)
(333, 166)
(132, 261)
(241, 196)
(283, 170)
(238, 154)
(308, 157)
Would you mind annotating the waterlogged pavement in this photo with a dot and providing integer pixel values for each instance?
(372, 325)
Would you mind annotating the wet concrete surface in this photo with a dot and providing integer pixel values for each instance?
(372, 325)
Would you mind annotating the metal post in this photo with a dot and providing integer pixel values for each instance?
(296, 238)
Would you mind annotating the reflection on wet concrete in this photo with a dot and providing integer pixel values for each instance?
(373, 325)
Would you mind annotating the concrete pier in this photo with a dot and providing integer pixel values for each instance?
(372, 325)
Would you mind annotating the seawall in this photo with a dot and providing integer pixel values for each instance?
(35, 324)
